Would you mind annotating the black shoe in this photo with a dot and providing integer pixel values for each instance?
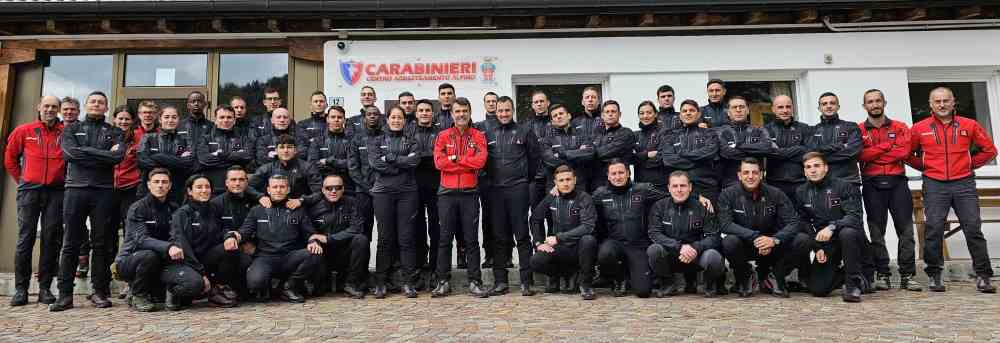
(100, 300)
(526, 290)
(20, 298)
(499, 289)
(852, 294)
(476, 290)
(690, 283)
(983, 285)
(935, 284)
(744, 286)
(62, 304)
(910, 285)
(228, 292)
(217, 298)
(571, 285)
(45, 296)
(409, 291)
(668, 288)
(712, 288)
(353, 292)
(443, 289)
(720, 285)
(552, 284)
(867, 286)
(780, 289)
(141, 303)
(173, 302)
(587, 292)
(290, 294)
(619, 289)
(488, 262)
(883, 282)
(380, 291)
(462, 263)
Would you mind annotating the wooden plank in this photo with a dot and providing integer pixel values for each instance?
(17, 55)
(107, 27)
(6, 96)
(310, 49)
(148, 44)
(163, 27)
(808, 16)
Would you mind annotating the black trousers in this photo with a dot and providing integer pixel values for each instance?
(34, 204)
(222, 266)
(295, 266)
(367, 210)
(142, 270)
(783, 258)
(567, 259)
(665, 262)
(848, 245)
(79, 205)
(960, 195)
(182, 280)
(459, 212)
(396, 231)
(509, 213)
(123, 199)
(616, 259)
(427, 226)
(349, 257)
(884, 196)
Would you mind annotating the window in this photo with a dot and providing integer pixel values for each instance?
(971, 101)
(78, 75)
(167, 70)
(569, 95)
(759, 95)
(247, 75)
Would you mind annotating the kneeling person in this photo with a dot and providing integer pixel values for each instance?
(568, 245)
(146, 247)
(287, 244)
(685, 238)
(760, 224)
(347, 248)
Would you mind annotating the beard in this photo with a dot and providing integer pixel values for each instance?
(877, 114)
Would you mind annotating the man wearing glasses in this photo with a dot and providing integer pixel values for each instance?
(337, 219)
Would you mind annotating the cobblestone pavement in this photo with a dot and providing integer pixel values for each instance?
(961, 315)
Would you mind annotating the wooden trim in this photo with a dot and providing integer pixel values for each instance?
(309, 49)
(17, 55)
(141, 44)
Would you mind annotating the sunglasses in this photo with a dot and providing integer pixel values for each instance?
(333, 188)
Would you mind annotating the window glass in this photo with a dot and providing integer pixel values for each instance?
(570, 95)
(247, 75)
(759, 95)
(78, 75)
(166, 70)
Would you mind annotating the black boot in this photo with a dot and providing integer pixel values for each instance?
(983, 285)
(476, 290)
(586, 291)
(380, 291)
(552, 284)
(64, 302)
(526, 290)
(443, 289)
(353, 292)
(500, 288)
(780, 288)
(853, 290)
(290, 294)
(744, 285)
(668, 288)
(173, 302)
(936, 284)
(619, 289)
(712, 288)
(45, 296)
(690, 283)
(100, 299)
(409, 291)
(20, 298)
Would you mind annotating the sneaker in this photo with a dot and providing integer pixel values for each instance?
(141, 303)
(907, 284)
(20, 298)
(476, 290)
(935, 284)
(443, 289)
(983, 285)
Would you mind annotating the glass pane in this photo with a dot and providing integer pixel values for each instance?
(759, 94)
(166, 70)
(971, 101)
(180, 104)
(77, 76)
(569, 95)
(247, 75)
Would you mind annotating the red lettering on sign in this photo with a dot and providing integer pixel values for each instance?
(394, 69)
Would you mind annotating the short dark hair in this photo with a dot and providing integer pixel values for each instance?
(369, 87)
(646, 103)
(591, 88)
(750, 160)
(813, 154)
(737, 97)
(318, 92)
(226, 108)
(159, 171)
(719, 81)
(404, 93)
(505, 99)
(279, 177)
(105, 96)
(664, 89)
(874, 90)
(557, 106)
(611, 102)
(463, 101)
(424, 101)
(236, 167)
(679, 173)
(337, 108)
(71, 100)
(689, 102)
(445, 86)
(271, 89)
(284, 139)
(538, 91)
(490, 93)
(615, 161)
(826, 94)
(564, 169)
(191, 179)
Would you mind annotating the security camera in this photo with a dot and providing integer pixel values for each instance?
(342, 46)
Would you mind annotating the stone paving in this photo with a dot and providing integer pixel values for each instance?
(959, 315)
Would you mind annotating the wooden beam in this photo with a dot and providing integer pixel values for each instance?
(860, 15)
(756, 17)
(435, 23)
(808, 16)
(648, 19)
(487, 21)
(51, 27)
(310, 49)
(703, 18)
(163, 27)
(272, 25)
(540, 22)
(147, 44)
(7, 73)
(106, 27)
(16, 55)
(380, 23)
(219, 26)
(913, 14)
(327, 24)
(594, 21)
(970, 12)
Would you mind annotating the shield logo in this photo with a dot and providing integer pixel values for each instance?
(351, 71)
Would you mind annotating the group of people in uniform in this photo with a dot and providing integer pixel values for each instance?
(254, 207)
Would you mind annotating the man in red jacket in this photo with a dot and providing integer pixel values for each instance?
(35, 161)
(459, 153)
(942, 149)
(885, 190)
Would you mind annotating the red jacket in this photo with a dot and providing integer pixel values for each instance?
(127, 172)
(470, 147)
(943, 152)
(885, 148)
(33, 156)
